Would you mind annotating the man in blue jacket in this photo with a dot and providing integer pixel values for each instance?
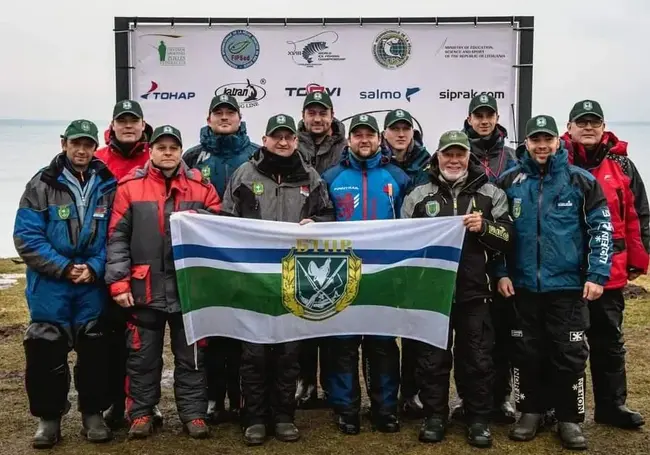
(224, 147)
(553, 278)
(365, 186)
(60, 233)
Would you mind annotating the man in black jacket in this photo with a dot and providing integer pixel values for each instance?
(456, 187)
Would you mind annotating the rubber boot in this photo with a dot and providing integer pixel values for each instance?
(571, 436)
(526, 428)
(94, 429)
(349, 424)
(386, 424)
(433, 429)
(286, 432)
(620, 417)
(48, 434)
(255, 435)
(479, 435)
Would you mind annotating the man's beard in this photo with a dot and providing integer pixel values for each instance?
(453, 177)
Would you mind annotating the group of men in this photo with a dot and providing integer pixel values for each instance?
(555, 230)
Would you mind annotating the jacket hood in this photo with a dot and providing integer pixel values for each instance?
(608, 144)
(482, 147)
(228, 144)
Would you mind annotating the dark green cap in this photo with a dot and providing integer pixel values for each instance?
(166, 130)
(81, 128)
(127, 107)
(541, 124)
(453, 138)
(398, 115)
(483, 100)
(321, 98)
(586, 107)
(281, 121)
(224, 99)
(364, 120)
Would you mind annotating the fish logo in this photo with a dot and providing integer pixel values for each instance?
(314, 50)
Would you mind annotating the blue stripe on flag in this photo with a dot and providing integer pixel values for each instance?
(274, 256)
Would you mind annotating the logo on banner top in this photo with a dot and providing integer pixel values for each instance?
(391, 49)
(154, 94)
(452, 95)
(314, 51)
(240, 49)
(379, 94)
(311, 88)
(171, 55)
(248, 94)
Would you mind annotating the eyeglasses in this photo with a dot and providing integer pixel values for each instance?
(594, 122)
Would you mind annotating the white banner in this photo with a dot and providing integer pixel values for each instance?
(431, 71)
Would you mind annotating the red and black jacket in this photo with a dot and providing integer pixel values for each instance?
(627, 201)
(120, 161)
(139, 252)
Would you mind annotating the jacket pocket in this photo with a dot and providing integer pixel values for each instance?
(141, 283)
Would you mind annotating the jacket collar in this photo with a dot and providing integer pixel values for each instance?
(556, 163)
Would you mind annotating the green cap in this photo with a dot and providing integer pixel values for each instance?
(127, 107)
(364, 120)
(398, 115)
(224, 99)
(321, 98)
(586, 107)
(166, 130)
(483, 100)
(453, 138)
(541, 124)
(81, 128)
(281, 121)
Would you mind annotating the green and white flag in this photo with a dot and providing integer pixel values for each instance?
(271, 282)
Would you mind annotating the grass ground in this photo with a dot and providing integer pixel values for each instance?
(319, 433)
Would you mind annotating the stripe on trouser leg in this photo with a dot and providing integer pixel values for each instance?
(515, 384)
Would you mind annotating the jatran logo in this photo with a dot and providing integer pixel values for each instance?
(247, 93)
(314, 50)
(320, 278)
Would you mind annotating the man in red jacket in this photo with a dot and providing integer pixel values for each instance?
(599, 151)
(127, 148)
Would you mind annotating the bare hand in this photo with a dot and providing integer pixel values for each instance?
(124, 299)
(592, 291)
(73, 272)
(86, 275)
(505, 287)
(473, 222)
(306, 221)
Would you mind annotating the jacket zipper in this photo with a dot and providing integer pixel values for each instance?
(539, 233)
(364, 185)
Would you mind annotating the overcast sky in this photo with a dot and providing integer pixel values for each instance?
(58, 55)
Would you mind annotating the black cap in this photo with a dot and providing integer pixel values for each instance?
(541, 124)
(483, 100)
(586, 107)
(321, 98)
(398, 115)
(127, 107)
(364, 120)
(280, 121)
(224, 99)
(166, 130)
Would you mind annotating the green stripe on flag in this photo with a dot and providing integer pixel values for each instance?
(414, 288)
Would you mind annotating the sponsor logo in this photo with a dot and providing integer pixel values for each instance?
(379, 94)
(575, 337)
(498, 232)
(565, 204)
(515, 385)
(517, 333)
(100, 212)
(240, 49)
(311, 88)
(346, 203)
(604, 239)
(606, 213)
(579, 388)
(314, 50)
(452, 95)
(432, 208)
(247, 94)
(154, 94)
(391, 49)
(469, 51)
(171, 55)
(320, 278)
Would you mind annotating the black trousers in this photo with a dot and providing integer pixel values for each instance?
(550, 352)
(607, 346)
(268, 377)
(314, 361)
(222, 363)
(472, 354)
(114, 326)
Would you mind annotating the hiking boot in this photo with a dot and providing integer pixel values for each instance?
(504, 413)
(47, 434)
(114, 417)
(526, 428)
(433, 429)
(349, 424)
(620, 417)
(479, 435)
(571, 436)
(94, 429)
(386, 424)
(141, 427)
(197, 429)
(286, 432)
(157, 417)
(255, 435)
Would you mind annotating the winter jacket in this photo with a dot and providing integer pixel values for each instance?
(562, 226)
(416, 159)
(60, 223)
(140, 256)
(219, 156)
(474, 193)
(371, 189)
(257, 190)
(627, 201)
(120, 161)
(326, 154)
(491, 153)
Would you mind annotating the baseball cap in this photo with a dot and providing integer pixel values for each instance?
(81, 128)
(280, 121)
(397, 115)
(226, 99)
(483, 100)
(127, 107)
(586, 107)
(541, 124)
(364, 120)
(321, 98)
(453, 138)
(166, 130)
